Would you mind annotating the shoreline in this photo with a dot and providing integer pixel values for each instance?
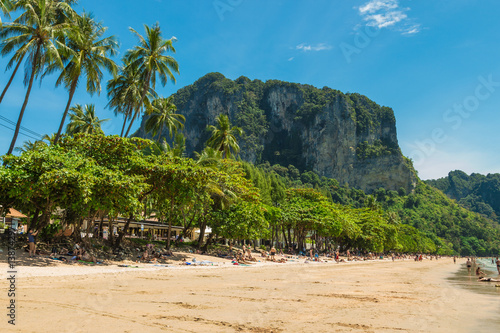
(371, 296)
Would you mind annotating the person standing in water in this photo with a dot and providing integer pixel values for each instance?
(498, 266)
(469, 265)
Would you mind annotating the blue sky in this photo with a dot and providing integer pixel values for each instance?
(436, 63)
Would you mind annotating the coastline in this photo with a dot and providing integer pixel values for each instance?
(372, 296)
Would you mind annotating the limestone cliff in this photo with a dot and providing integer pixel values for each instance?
(343, 136)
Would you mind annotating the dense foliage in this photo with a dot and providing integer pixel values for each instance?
(84, 175)
(476, 192)
(425, 218)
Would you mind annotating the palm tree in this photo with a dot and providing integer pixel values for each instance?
(84, 120)
(149, 58)
(209, 157)
(9, 44)
(124, 92)
(5, 6)
(35, 31)
(28, 146)
(223, 136)
(87, 53)
(163, 115)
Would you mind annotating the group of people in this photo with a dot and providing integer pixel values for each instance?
(150, 254)
(481, 275)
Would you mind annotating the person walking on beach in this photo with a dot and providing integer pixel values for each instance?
(31, 242)
(469, 265)
(454, 259)
(498, 266)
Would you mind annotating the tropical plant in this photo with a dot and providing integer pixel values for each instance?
(28, 145)
(84, 120)
(224, 136)
(124, 92)
(5, 6)
(162, 115)
(86, 54)
(34, 33)
(149, 58)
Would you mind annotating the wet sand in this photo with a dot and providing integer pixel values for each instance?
(375, 296)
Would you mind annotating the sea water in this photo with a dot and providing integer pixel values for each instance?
(469, 280)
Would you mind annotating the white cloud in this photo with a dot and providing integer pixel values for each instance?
(317, 47)
(290, 59)
(412, 30)
(376, 5)
(387, 13)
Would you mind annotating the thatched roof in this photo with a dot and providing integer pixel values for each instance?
(15, 214)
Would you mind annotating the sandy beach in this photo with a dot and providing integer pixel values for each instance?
(374, 296)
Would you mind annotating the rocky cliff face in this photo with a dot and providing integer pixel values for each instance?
(343, 136)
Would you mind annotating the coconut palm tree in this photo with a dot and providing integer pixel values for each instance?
(149, 58)
(5, 6)
(223, 136)
(7, 45)
(28, 146)
(209, 157)
(162, 115)
(86, 54)
(124, 92)
(83, 120)
(35, 31)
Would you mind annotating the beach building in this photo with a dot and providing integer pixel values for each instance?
(13, 219)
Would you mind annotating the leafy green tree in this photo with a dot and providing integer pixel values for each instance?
(84, 120)
(162, 115)
(34, 32)
(223, 136)
(86, 53)
(150, 60)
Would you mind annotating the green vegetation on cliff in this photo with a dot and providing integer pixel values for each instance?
(476, 192)
(252, 105)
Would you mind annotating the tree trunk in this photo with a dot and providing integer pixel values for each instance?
(61, 125)
(284, 237)
(132, 121)
(125, 120)
(11, 78)
(32, 224)
(202, 232)
(209, 240)
(26, 98)
(169, 232)
(272, 236)
(123, 232)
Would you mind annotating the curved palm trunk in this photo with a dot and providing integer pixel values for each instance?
(124, 123)
(11, 78)
(71, 93)
(132, 121)
(21, 114)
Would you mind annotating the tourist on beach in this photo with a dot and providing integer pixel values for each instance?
(469, 265)
(77, 250)
(488, 279)
(479, 272)
(272, 253)
(454, 259)
(31, 242)
(498, 265)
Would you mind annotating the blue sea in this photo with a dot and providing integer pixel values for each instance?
(469, 281)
